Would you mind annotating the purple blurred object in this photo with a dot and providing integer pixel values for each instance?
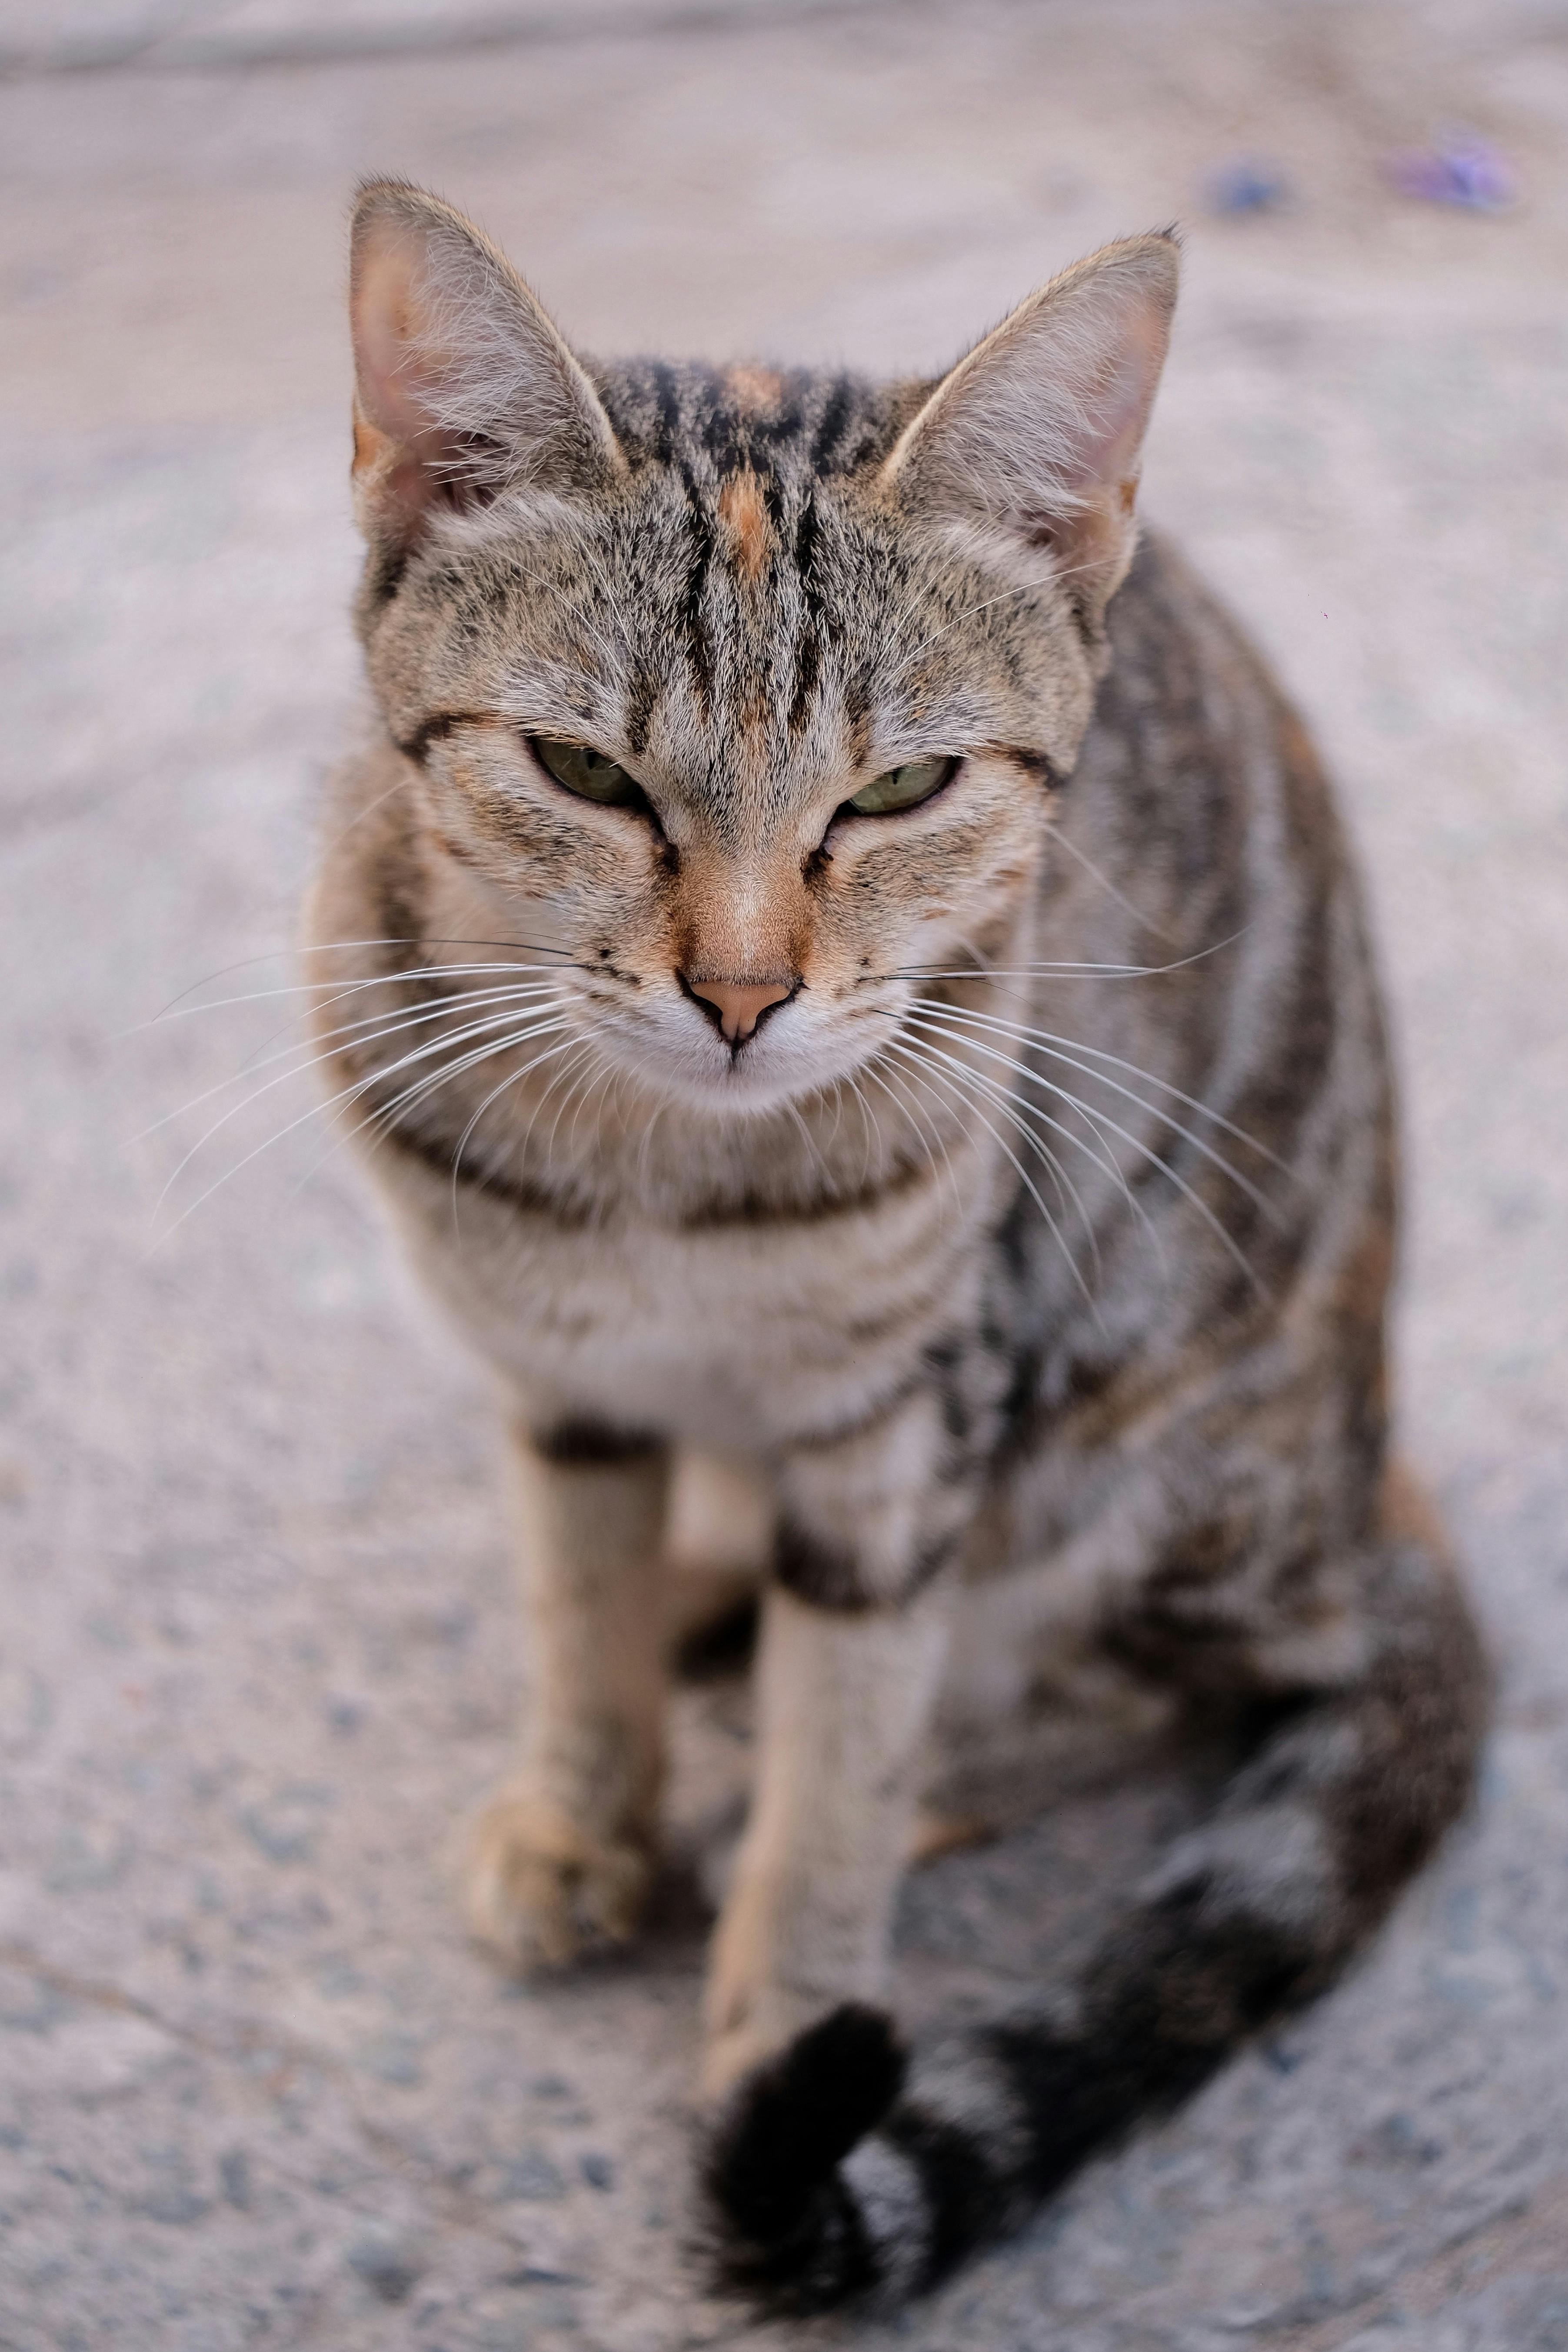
(1246, 186)
(1460, 170)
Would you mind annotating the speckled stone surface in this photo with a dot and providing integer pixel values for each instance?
(258, 1657)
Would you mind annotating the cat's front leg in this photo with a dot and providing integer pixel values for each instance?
(854, 1637)
(561, 1858)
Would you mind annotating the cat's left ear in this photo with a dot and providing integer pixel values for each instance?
(1029, 448)
(462, 384)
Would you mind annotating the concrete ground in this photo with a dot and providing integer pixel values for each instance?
(258, 1657)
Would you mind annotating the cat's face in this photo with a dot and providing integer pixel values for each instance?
(717, 693)
(655, 740)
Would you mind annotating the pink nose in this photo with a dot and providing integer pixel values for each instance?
(740, 1004)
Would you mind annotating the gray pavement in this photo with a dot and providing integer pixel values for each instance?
(257, 1656)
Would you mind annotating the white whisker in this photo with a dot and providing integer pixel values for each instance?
(1018, 1114)
(420, 1053)
(1104, 1161)
(925, 1128)
(519, 1033)
(1048, 969)
(374, 1027)
(509, 1080)
(1050, 1043)
(1146, 1150)
(316, 1111)
(898, 1046)
(177, 1012)
(1084, 859)
(335, 947)
(1022, 588)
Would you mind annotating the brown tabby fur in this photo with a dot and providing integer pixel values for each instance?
(1032, 1251)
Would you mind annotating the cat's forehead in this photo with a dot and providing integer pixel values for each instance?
(743, 616)
(784, 425)
(745, 584)
(758, 569)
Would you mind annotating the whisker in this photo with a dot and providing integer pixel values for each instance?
(566, 1098)
(1018, 1114)
(335, 947)
(418, 1053)
(1049, 969)
(570, 1043)
(1024, 588)
(871, 1124)
(539, 1106)
(511, 1080)
(336, 840)
(646, 1143)
(607, 1070)
(810, 1141)
(839, 1090)
(316, 1111)
(176, 1011)
(380, 1122)
(383, 1116)
(899, 1047)
(1050, 1043)
(374, 1027)
(924, 1127)
(1062, 841)
(1104, 1160)
(1147, 1151)
(537, 1025)
(372, 1077)
(534, 1026)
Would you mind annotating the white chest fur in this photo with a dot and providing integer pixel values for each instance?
(741, 1334)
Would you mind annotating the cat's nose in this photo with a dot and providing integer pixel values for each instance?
(740, 1004)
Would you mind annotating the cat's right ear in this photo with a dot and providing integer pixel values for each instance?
(462, 385)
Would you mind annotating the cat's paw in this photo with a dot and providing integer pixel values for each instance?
(542, 1890)
(731, 2052)
(750, 2012)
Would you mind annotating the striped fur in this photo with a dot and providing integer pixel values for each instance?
(1254, 1912)
(1030, 1255)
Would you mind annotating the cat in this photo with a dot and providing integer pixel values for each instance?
(843, 957)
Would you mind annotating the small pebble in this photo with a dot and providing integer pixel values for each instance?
(389, 2264)
(1459, 170)
(1246, 186)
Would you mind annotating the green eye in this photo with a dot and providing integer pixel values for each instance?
(902, 788)
(588, 773)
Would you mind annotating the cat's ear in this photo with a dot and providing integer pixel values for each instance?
(462, 384)
(1029, 448)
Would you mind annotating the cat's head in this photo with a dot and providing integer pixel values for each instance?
(745, 693)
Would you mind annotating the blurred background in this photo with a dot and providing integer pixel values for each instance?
(257, 1655)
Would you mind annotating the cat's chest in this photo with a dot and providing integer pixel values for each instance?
(744, 1332)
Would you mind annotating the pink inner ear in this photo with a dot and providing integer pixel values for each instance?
(385, 345)
(1119, 408)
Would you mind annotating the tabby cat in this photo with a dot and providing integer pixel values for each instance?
(845, 961)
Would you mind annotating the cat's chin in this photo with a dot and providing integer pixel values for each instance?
(744, 1090)
(738, 1095)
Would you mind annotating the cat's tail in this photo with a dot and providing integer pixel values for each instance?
(848, 2168)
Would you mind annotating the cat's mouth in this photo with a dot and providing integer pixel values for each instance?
(742, 1047)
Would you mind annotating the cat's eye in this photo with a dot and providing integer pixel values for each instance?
(588, 773)
(902, 788)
